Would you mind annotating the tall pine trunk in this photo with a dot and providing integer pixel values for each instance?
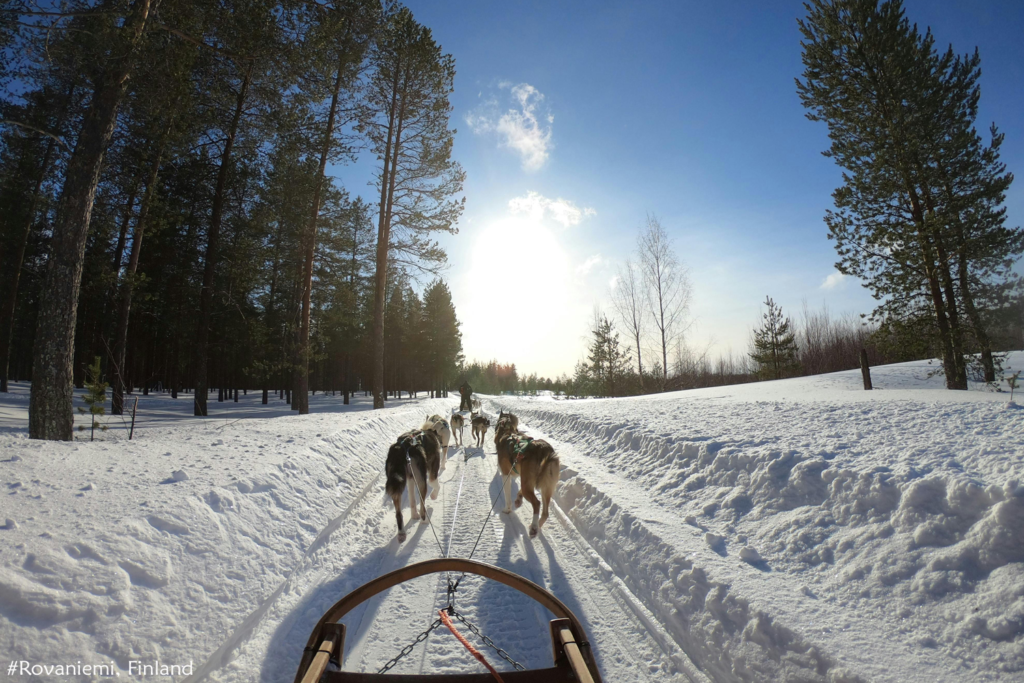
(302, 387)
(210, 265)
(383, 239)
(124, 304)
(50, 407)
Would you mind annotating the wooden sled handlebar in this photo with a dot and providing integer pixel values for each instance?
(571, 649)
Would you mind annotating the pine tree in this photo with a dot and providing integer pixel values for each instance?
(918, 218)
(95, 397)
(774, 345)
(608, 362)
(50, 415)
(406, 120)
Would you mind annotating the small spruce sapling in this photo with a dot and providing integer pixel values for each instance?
(95, 397)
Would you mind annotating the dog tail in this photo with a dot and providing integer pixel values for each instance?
(395, 470)
(550, 467)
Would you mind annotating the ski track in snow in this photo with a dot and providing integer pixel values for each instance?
(883, 534)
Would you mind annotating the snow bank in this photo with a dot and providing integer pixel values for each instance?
(156, 549)
(827, 534)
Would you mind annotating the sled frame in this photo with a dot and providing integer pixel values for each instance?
(573, 658)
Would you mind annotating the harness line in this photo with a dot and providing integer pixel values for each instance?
(472, 650)
(423, 501)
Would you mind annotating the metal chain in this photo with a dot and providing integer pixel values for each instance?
(409, 648)
(487, 641)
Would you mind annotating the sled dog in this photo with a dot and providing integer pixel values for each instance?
(411, 462)
(507, 423)
(535, 462)
(440, 427)
(457, 422)
(480, 425)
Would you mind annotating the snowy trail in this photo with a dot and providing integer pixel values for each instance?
(629, 644)
(890, 527)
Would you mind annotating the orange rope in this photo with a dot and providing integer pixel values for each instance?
(472, 650)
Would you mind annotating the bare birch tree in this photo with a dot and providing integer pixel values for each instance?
(667, 286)
(628, 299)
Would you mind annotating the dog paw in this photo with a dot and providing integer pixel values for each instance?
(433, 494)
(519, 503)
(401, 536)
(424, 520)
(507, 511)
(533, 532)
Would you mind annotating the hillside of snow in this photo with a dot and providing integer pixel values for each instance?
(795, 530)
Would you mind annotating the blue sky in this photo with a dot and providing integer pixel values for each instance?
(688, 110)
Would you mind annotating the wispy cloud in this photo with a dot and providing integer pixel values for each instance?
(561, 211)
(524, 128)
(834, 280)
(589, 264)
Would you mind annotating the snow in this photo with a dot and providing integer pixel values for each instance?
(803, 529)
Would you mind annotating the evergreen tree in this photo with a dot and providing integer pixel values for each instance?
(406, 120)
(50, 414)
(918, 218)
(609, 363)
(441, 338)
(95, 397)
(774, 345)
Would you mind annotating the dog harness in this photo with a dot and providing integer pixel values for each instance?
(521, 444)
(409, 441)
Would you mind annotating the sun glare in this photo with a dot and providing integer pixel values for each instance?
(521, 296)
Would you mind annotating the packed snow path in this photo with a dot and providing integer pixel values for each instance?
(365, 546)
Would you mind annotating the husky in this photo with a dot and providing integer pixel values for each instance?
(411, 462)
(535, 462)
(440, 427)
(506, 422)
(480, 425)
(457, 423)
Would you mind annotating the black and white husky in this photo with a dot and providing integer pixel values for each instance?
(412, 461)
(440, 427)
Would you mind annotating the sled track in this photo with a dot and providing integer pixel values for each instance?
(245, 629)
(630, 643)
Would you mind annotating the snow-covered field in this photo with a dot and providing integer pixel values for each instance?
(795, 530)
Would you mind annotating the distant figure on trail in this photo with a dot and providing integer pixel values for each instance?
(467, 392)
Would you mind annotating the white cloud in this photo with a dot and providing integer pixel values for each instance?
(834, 280)
(589, 264)
(518, 128)
(562, 211)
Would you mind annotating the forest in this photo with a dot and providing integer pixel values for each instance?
(167, 202)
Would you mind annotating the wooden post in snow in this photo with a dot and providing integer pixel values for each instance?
(865, 371)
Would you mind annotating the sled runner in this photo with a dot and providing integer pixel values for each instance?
(573, 659)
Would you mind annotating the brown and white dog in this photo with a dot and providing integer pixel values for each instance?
(480, 425)
(412, 461)
(535, 462)
(458, 423)
(439, 426)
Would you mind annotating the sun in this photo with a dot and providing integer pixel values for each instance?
(520, 285)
